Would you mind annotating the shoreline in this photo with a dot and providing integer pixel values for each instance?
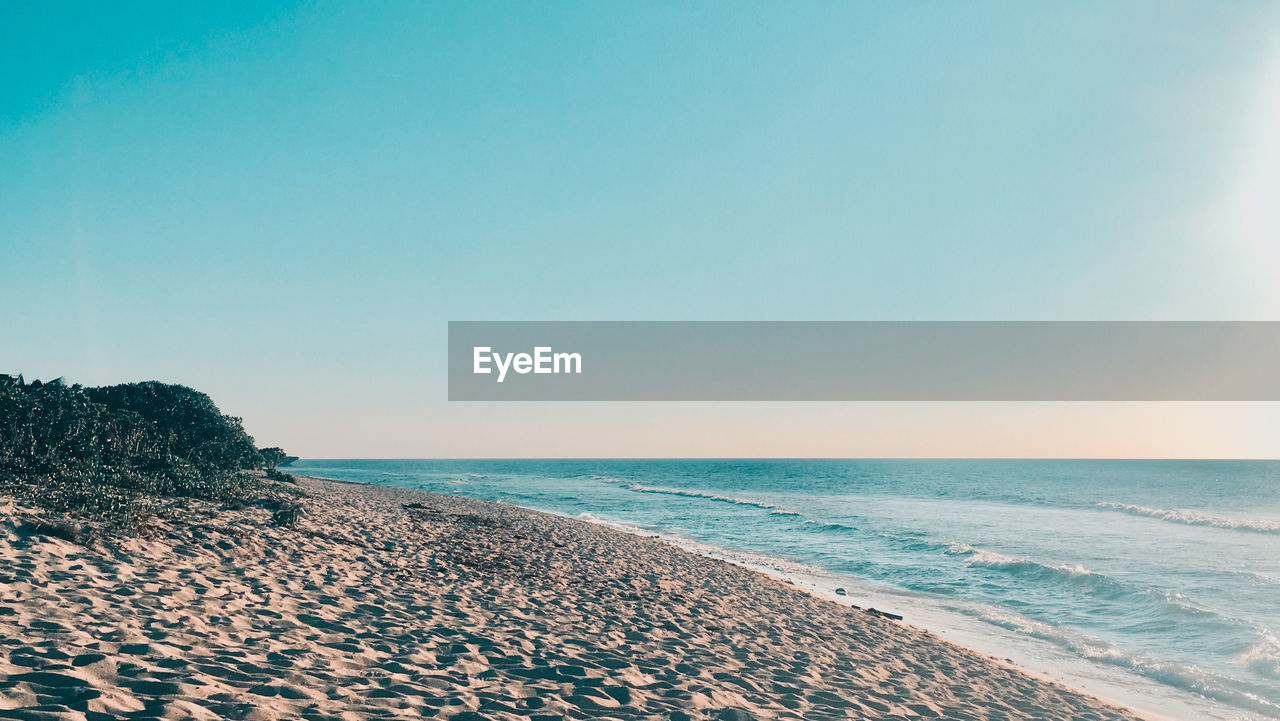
(811, 582)
(388, 602)
(822, 584)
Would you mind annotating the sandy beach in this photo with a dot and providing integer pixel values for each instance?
(392, 603)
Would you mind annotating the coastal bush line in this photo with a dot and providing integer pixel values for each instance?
(121, 455)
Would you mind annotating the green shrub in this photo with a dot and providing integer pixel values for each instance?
(107, 453)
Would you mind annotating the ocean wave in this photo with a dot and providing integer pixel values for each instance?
(1196, 518)
(1089, 647)
(779, 510)
(1167, 603)
(830, 526)
(1181, 603)
(1017, 565)
(1262, 659)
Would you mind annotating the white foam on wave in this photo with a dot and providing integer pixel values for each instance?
(1196, 518)
(1262, 659)
(1172, 602)
(992, 559)
(1089, 647)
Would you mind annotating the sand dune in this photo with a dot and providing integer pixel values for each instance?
(390, 603)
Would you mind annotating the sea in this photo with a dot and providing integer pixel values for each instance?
(1153, 584)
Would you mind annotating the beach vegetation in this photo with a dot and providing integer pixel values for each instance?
(120, 454)
(274, 457)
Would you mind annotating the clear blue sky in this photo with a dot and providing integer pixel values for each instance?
(283, 204)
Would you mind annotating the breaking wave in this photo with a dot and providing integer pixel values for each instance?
(777, 510)
(1196, 518)
(1026, 567)
(1187, 678)
(1262, 659)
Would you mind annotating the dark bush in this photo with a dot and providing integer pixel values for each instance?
(272, 457)
(288, 514)
(108, 452)
(64, 528)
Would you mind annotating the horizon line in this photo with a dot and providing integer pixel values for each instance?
(792, 458)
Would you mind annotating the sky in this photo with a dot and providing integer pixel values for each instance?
(282, 204)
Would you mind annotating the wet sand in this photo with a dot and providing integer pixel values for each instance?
(392, 603)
